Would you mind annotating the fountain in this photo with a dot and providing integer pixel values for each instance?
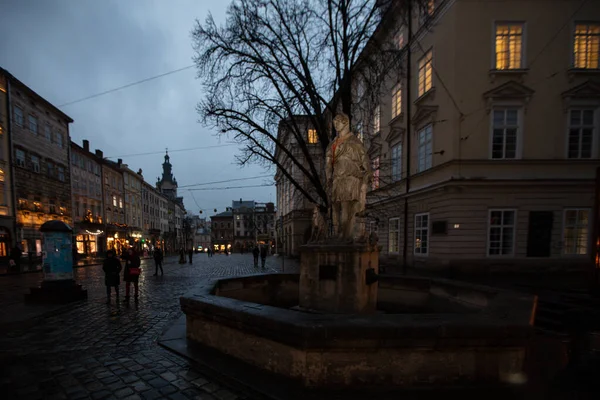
(338, 324)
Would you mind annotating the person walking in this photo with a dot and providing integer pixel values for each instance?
(263, 256)
(112, 278)
(190, 254)
(158, 260)
(181, 256)
(255, 254)
(132, 273)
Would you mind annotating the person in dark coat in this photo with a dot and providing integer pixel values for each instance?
(263, 256)
(132, 272)
(255, 254)
(158, 260)
(181, 256)
(190, 254)
(112, 269)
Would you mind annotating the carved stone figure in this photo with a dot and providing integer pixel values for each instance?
(319, 225)
(348, 171)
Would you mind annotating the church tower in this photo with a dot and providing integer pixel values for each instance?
(168, 184)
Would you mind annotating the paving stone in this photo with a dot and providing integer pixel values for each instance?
(102, 394)
(224, 394)
(152, 395)
(178, 396)
(181, 384)
(168, 390)
(124, 392)
(133, 397)
(211, 387)
(199, 382)
(158, 382)
(130, 378)
(169, 376)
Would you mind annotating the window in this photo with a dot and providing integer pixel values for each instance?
(312, 136)
(35, 163)
(501, 235)
(50, 169)
(18, 116)
(394, 235)
(120, 202)
(422, 234)
(51, 207)
(509, 46)
(48, 133)
(375, 166)
(504, 133)
(576, 225)
(586, 46)
(20, 157)
(59, 142)
(425, 151)
(61, 174)
(397, 101)
(377, 120)
(427, 10)
(581, 133)
(33, 127)
(114, 201)
(425, 73)
(397, 162)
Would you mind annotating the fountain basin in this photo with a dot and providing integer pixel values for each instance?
(426, 332)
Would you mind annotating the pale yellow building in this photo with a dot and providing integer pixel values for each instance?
(501, 136)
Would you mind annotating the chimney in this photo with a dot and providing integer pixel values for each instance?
(119, 162)
(140, 172)
(86, 145)
(99, 153)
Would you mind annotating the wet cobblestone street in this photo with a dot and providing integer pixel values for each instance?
(99, 351)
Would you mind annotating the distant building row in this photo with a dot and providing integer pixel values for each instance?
(45, 176)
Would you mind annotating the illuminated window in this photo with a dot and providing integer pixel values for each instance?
(397, 101)
(576, 229)
(422, 234)
(425, 73)
(33, 125)
(312, 136)
(397, 162)
(120, 202)
(2, 175)
(581, 133)
(505, 131)
(430, 7)
(586, 46)
(375, 166)
(18, 116)
(425, 149)
(394, 235)
(377, 120)
(501, 232)
(509, 46)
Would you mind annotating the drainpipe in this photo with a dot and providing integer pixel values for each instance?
(408, 136)
(10, 158)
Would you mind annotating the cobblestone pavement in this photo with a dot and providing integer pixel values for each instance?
(99, 351)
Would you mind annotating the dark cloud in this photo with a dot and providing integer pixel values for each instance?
(69, 49)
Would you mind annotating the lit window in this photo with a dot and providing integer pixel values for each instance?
(375, 166)
(397, 162)
(33, 126)
(581, 133)
(61, 174)
(586, 46)
(312, 136)
(504, 133)
(20, 157)
(425, 73)
(394, 235)
(576, 228)
(18, 116)
(120, 202)
(397, 101)
(509, 46)
(422, 234)
(35, 163)
(377, 120)
(114, 201)
(425, 149)
(501, 232)
(430, 7)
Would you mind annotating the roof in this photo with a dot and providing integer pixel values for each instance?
(31, 91)
(239, 204)
(223, 214)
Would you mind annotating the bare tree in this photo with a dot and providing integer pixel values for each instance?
(275, 59)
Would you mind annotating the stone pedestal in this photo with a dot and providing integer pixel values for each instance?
(339, 278)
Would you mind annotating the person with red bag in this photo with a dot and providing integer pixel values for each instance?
(132, 272)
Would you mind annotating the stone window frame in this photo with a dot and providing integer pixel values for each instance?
(594, 127)
(20, 157)
(421, 146)
(36, 163)
(18, 116)
(32, 124)
(396, 161)
(588, 227)
(490, 225)
(519, 134)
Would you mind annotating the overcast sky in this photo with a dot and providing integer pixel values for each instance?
(66, 50)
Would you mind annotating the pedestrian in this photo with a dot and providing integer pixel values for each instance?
(158, 260)
(255, 254)
(190, 254)
(132, 273)
(112, 269)
(181, 256)
(263, 255)
(15, 258)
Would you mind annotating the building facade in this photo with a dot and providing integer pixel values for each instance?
(39, 135)
(88, 204)
(485, 155)
(132, 185)
(244, 238)
(151, 215)
(222, 232)
(114, 206)
(7, 211)
(174, 235)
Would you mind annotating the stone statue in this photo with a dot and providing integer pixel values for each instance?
(319, 225)
(348, 171)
